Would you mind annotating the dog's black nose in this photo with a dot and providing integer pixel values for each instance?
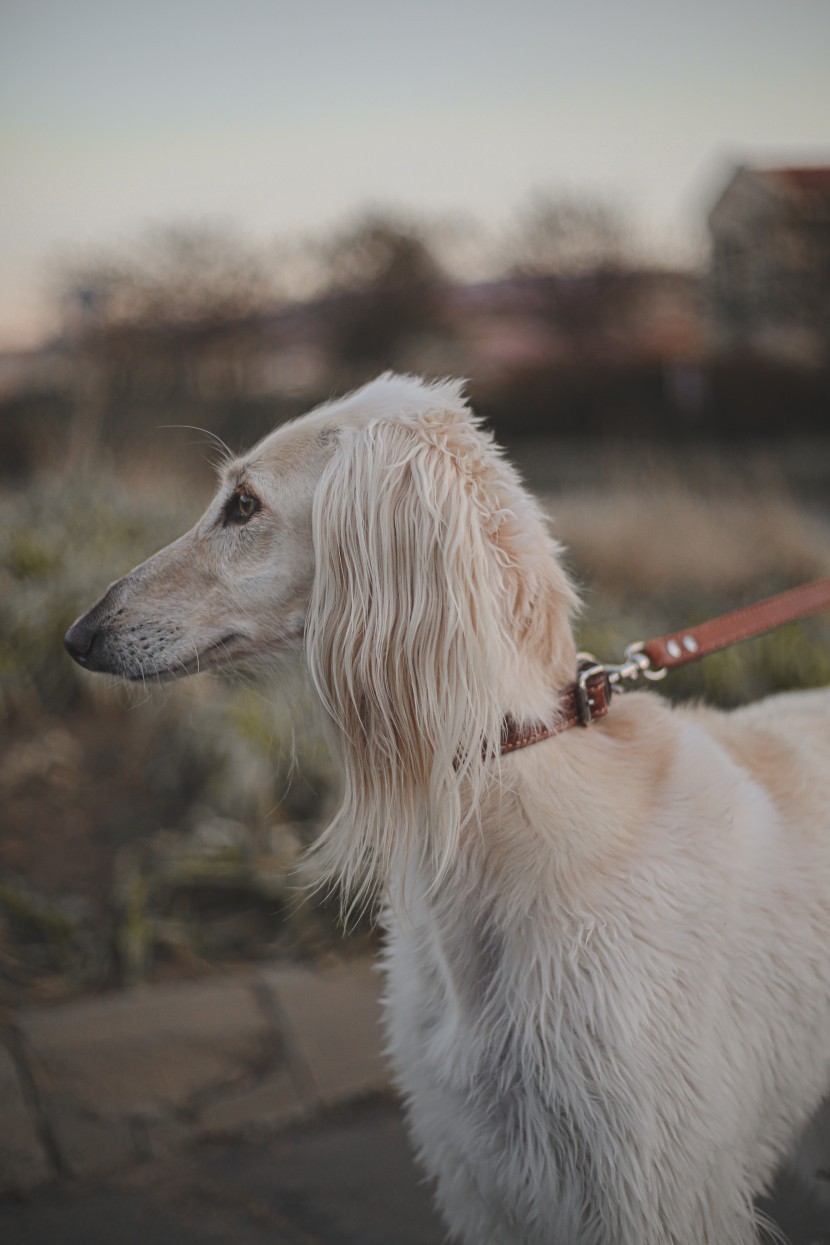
(79, 641)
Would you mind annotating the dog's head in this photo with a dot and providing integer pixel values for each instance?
(235, 587)
(385, 537)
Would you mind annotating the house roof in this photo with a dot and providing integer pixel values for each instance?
(802, 182)
(804, 191)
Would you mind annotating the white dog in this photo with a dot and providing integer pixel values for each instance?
(608, 963)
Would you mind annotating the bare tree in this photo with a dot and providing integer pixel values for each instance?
(567, 236)
(385, 288)
(172, 276)
(579, 254)
(156, 329)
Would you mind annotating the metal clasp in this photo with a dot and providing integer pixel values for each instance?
(635, 656)
(636, 664)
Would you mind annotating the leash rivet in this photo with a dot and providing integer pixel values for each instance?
(690, 644)
(674, 649)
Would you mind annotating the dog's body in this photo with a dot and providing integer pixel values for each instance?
(611, 1030)
(608, 997)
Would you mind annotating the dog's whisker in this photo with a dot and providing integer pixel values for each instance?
(226, 453)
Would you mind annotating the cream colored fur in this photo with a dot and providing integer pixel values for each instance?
(608, 958)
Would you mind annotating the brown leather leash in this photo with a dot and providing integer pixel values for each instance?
(589, 698)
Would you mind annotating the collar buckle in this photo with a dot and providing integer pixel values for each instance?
(593, 676)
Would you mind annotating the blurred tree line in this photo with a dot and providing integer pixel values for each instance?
(196, 325)
(199, 326)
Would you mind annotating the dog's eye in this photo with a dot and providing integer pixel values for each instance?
(241, 507)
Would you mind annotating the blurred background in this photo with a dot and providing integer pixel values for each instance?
(614, 220)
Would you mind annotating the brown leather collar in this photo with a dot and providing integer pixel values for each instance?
(589, 698)
(576, 709)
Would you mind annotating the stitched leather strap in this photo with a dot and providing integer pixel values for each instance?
(574, 710)
(680, 647)
(583, 706)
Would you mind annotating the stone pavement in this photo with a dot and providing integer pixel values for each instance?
(345, 1178)
(95, 1086)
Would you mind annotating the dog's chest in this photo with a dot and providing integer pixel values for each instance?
(482, 1089)
(536, 1082)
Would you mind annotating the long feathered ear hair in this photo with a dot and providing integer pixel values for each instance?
(414, 633)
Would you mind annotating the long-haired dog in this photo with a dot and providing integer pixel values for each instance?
(608, 958)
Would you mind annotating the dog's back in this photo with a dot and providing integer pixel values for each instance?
(783, 742)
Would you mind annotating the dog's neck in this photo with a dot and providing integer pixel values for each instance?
(544, 665)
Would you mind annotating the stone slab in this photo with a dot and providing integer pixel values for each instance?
(23, 1161)
(332, 1018)
(342, 1179)
(165, 1137)
(91, 1145)
(149, 1048)
(269, 1104)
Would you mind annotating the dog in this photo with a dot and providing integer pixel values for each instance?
(607, 970)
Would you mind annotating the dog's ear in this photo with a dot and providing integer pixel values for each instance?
(404, 639)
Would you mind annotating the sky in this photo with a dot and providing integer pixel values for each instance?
(284, 116)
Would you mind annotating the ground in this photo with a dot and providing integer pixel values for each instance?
(347, 1178)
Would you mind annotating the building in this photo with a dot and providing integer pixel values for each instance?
(770, 268)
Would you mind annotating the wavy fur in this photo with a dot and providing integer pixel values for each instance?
(424, 607)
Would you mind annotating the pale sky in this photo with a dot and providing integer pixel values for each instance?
(280, 115)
